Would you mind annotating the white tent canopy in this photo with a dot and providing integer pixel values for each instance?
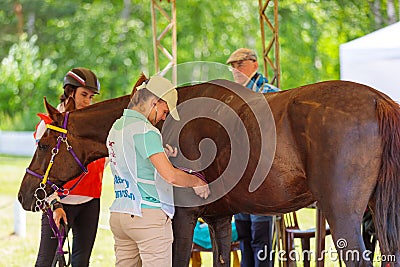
(374, 60)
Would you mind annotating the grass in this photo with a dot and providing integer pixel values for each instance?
(21, 251)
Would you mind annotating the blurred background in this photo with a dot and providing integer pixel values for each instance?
(41, 40)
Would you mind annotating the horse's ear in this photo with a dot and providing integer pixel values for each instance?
(142, 78)
(54, 114)
(70, 104)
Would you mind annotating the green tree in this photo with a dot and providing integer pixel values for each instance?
(24, 77)
(114, 38)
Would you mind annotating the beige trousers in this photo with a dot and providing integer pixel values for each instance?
(142, 241)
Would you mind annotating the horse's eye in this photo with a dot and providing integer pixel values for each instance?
(43, 147)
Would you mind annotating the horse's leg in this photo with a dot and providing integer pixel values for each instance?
(346, 233)
(221, 237)
(353, 161)
(342, 182)
(343, 207)
(342, 165)
(183, 225)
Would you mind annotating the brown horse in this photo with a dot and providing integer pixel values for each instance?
(336, 143)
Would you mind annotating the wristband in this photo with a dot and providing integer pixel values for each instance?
(56, 205)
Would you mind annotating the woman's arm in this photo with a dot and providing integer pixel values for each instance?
(177, 177)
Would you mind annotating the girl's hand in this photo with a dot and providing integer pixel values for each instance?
(59, 214)
(170, 151)
(202, 190)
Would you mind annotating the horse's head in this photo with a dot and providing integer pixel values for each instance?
(51, 156)
(65, 157)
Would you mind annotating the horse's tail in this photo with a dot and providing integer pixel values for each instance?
(387, 191)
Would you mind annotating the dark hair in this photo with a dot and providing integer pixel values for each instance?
(140, 96)
(69, 90)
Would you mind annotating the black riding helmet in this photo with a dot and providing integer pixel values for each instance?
(82, 77)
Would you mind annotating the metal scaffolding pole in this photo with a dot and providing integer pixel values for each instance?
(270, 45)
(158, 47)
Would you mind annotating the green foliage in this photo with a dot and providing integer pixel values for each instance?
(114, 39)
(94, 37)
(24, 77)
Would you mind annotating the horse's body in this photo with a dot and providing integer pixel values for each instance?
(337, 143)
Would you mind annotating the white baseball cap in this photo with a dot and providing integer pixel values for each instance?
(164, 89)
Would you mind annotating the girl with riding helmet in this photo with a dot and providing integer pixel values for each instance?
(143, 207)
(81, 207)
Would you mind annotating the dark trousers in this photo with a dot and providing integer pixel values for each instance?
(83, 219)
(255, 236)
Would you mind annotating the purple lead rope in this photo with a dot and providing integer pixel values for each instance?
(198, 174)
(59, 234)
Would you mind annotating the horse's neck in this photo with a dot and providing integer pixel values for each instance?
(94, 122)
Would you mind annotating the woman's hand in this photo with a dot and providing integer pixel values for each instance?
(202, 190)
(170, 151)
(59, 214)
